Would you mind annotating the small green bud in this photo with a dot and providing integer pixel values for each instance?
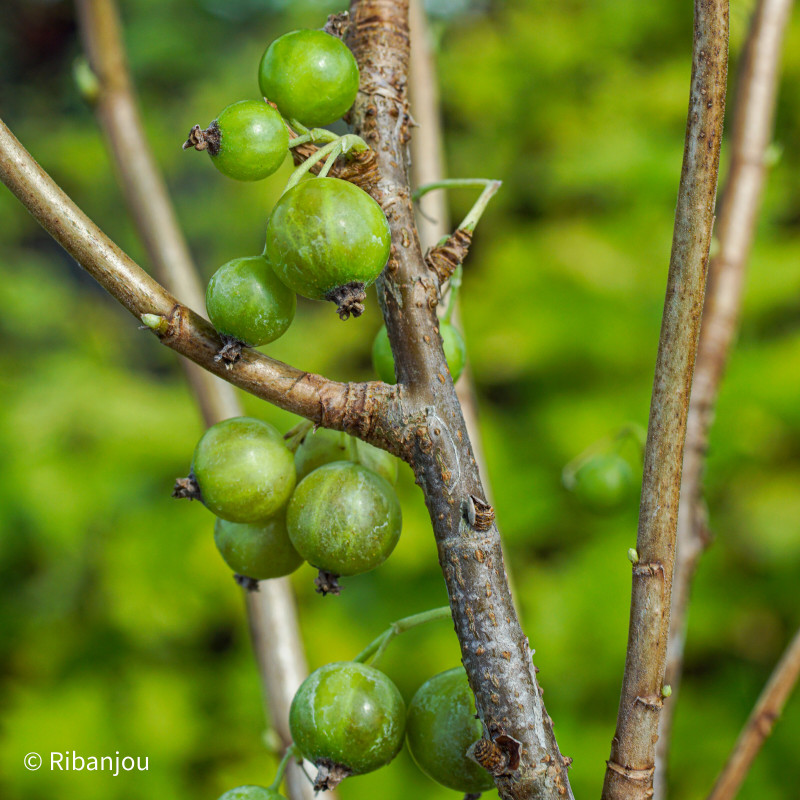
(633, 556)
(773, 154)
(666, 691)
(155, 322)
(86, 81)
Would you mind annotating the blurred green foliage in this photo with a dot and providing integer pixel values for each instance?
(120, 627)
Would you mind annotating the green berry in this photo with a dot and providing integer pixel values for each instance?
(246, 300)
(455, 352)
(257, 550)
(244, 470)
(441, 726)
(344, 519)
(348, 715)
(327, 240)
(603, 482)
(252, 793)
(310, 75)
(248, 141)
(324, 446)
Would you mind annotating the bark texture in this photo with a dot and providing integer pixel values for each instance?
(751, 133)
(629, 773)
(495, 652)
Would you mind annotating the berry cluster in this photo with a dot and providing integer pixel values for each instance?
(327, 239)
(349, 718)
(332, 504)
(319, 496)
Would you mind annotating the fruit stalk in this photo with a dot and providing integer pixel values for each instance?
(629, 773)
(494, 649)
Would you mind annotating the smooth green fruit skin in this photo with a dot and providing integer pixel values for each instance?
(325, 233)
(324, 446)
(441, 726)
(253, 141)
(258, 550)
(244, 470)
(455, 352)
(252, 793)
(349, 713)
(310, 75)
(343, 518)
(246, 300)
(603, 482)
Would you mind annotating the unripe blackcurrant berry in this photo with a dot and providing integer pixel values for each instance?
(310, 75)
(248, 140)
(244, 470)
(328, 240)
(324, 446)
(348, 718)
(257, 550)
(344, 519)
(440, 728)
(246, 300)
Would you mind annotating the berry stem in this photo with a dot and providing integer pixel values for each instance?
(342, 144)
(287, 757)
(314, 136)
(326, 167)
(375, 649)
(471, 220)
(295, 436)
(489, 186)
(298, 126)
(450, 183)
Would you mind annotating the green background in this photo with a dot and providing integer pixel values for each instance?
(120, 627)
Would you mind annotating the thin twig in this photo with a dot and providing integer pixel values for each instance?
(753, 113)
(759, 725)
(363, 409)
(629, 773)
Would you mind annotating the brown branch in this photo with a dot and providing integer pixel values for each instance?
(750, 136)
(363, 409)
(629, 773)
(271, 610)
(759, 725)
(495, 652)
